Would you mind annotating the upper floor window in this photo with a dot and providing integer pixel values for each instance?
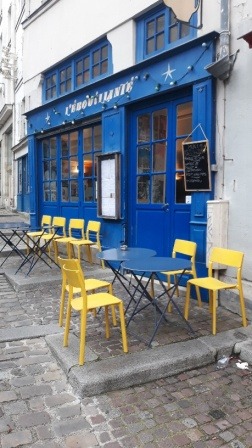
(84, 68)
(159, 31)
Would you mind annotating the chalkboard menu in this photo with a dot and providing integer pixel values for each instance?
(197, 166)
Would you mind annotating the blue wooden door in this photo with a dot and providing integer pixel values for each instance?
(159, 207)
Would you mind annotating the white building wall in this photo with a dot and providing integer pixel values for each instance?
(234, 137)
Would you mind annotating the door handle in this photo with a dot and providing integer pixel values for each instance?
(165, 207)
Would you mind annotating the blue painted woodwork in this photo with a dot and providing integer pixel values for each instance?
(116, 100)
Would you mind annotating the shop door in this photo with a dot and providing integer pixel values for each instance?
(159, 207)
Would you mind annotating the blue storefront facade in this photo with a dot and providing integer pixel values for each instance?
(144, 114)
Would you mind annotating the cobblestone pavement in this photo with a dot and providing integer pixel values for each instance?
(198, 409)
(203, 408)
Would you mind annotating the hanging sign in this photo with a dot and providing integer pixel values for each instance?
(196, 166)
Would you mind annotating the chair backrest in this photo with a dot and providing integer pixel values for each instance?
(46, 220)
(75, 279)
(185, 247)
(226, 258)
(69, 263)
(93, 227)
(76, 228)
(59, 223)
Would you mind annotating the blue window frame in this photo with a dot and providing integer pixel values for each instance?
(84, 68)
(159, 31)
(93, 64)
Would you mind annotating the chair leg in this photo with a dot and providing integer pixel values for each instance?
(187, 300)
(123, 328)
(89, 254)
(169, 308)
(198, 296)
(62, 304)
(107, 330)
(214, 308)
(243, 310)
(67, 326)
(83, 326)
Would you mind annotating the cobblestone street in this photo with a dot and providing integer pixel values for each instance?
(198, 409)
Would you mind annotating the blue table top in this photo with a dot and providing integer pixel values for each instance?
(157, 264)
(122, 255)
(14, 225)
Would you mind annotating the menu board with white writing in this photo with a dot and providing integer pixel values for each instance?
(108, 186)
(196, 166)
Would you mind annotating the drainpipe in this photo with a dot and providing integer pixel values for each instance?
(225, 29)
(221, 68)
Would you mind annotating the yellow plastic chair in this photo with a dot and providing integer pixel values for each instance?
(188, 249)
(228, 258)
(91, 284)
(85, 303)
(57, 230)
(46, 222)
(92, 239)
(76, 226)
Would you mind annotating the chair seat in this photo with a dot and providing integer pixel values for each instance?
(176, 272)
(35, 233)
(95, 301)
(211, 283)
(78, 242)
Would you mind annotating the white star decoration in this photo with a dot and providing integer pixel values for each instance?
(168, 72)
(47, 118)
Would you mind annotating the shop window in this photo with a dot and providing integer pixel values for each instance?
(159, 31)
(92, 146)
(49, 170)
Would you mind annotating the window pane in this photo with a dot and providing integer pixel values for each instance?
(104, 67)
(160, 124)
(96, 56)
(150, 46)
(64, 168)
(160, 23)
(97, 137)
(74, 195)
(79, 66)
(174, 34)
(184, 119)
(73, 142)
(160, 41)
(74, 167)
(87, 139)
(185, 30)
(45, 149)
(143, 189)
(64, 145)
(95, 71)
(86, 63)
(159, 157)
(150, 29)
(158, 189)
(143, 128)
(179, 155)
(104, 52)
(144, 159)
(65, 191)
(88, 190)
(180, 188)
(86, 76)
